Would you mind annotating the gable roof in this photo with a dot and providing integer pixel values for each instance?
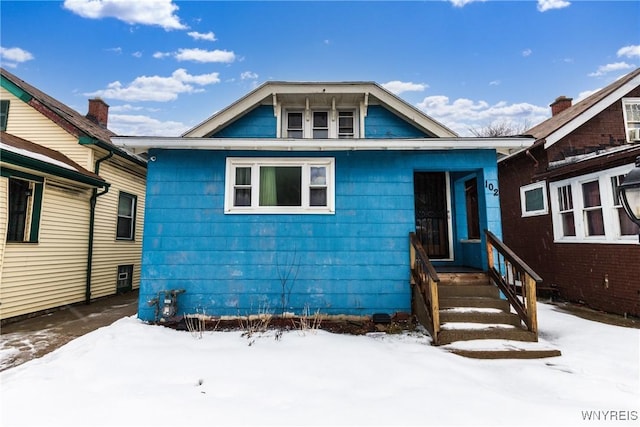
(365, 93)
(67, 118)
(557, 127)
(28, 155)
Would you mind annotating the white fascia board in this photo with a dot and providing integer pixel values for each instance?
(591, 112)
(144, 144)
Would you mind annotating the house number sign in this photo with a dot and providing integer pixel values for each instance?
(491, 187)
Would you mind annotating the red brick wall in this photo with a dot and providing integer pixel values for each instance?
(578, 269)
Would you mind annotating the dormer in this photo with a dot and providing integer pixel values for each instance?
(345, 110)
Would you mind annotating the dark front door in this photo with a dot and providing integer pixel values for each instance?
(432, 220)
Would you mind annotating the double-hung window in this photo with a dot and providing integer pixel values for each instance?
(279, 185)
(4, 114)
(631, 113)
(587, 209)
(294, 124)
(24, 210)
(125, 229)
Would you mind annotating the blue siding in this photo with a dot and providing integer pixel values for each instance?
(353, 262)
(382, 123)
(258, 123)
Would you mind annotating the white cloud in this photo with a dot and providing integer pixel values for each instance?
(248, 75)
(527, 52)
(15, 54)
(584, 94)
(202, 36)
(544, 5)
(462, 3)
(137, 54)
(463, 114)
(150, 12)
(397, 87)
(201, 55)
(160, 55)
(124, 108)
(629, 51)
(117, 50)
(156, 88)
(495, 83)
(604, 69)
(140, 125)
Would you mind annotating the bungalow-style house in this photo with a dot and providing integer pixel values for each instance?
(71, 204)
(560, 206)
(304, 195)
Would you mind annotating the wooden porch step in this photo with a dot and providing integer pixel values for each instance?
(447, 336)
(464, 279)
(480, 302)
(445, 291)
(507, 354)
(471, 315)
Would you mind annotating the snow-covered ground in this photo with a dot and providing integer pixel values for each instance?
(134, 374)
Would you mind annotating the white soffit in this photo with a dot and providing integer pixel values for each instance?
(143, 144)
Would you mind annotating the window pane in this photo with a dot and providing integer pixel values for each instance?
(242, 197)
(594, 222)
(591, 194)
(4, 114)
(627, 227)
(124, 227)
(568, 224)
(320, 119)
(533, 200)
(243, 176)
(633, 112)
(125, 205)
(318, 175)
(345, 124)
(280, 186)
(318, 197)
(295, 120)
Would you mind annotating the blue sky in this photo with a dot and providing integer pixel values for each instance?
(164, 66)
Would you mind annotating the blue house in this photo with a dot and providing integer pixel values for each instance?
(304, 195)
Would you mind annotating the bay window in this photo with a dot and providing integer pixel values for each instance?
(279, 185)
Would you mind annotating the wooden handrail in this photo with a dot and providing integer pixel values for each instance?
(425, 285)
(515, 279)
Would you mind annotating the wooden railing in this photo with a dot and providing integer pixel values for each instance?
(515, 279)
(424, 284)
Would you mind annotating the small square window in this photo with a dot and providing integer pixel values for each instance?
(533, 199)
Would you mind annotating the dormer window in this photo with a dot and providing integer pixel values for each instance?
(294, 124)
(320, 124)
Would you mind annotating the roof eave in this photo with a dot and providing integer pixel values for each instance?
(144, 144)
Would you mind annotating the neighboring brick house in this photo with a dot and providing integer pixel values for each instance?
(71, 204)
(559, 200)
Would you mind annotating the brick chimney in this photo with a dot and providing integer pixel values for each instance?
(560, 104)
(98, 112)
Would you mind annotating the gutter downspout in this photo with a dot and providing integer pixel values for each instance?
(92, 219)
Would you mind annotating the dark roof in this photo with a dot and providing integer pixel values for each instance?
(16, 150)
(554, 123)
(78, 122)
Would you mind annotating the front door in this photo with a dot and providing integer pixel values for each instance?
(432, 213)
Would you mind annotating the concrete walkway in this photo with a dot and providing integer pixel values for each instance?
(32, 338)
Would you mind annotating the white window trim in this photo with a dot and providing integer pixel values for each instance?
(307, 122)
(523, 201)
(609, 211)
(255, 163)
(627, 128)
